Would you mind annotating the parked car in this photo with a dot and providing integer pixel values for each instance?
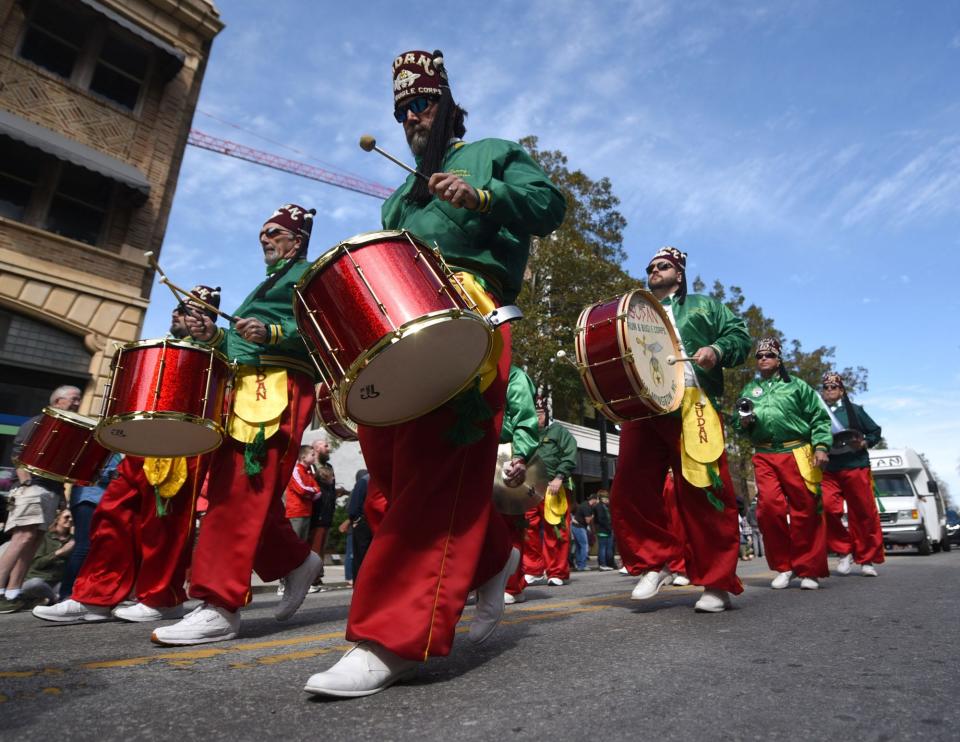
(953, 526)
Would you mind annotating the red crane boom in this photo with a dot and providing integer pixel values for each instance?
(258, 157)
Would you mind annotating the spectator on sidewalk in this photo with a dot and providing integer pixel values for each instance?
(582, 519)
(603, 527)
(42, 582)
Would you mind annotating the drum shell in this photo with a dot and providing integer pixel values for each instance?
(606, 377)
(406, 280)
(62, 447)
(330, 416)
(173, 380)
(370, 306)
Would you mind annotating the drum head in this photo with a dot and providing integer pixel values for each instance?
(431, 361)
(145, 435)
(649, 336)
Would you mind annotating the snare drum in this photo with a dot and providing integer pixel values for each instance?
(331, 416)
(622, 347)
(388, 329)
(166, 398)
(62, 447)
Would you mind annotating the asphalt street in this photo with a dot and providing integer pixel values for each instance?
(860, 659)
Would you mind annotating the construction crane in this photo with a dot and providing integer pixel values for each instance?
(267, 159)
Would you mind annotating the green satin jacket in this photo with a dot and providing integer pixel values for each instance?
(788, 414)
(517, 200)
(558, 451)
(520, 425)
(284, 347)
(703, 321)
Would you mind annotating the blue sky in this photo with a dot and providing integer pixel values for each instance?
(808, 152)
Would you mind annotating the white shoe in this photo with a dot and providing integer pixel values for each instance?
(624, 571)
(809, 583)
(280, 588)
(365, 669)
(297, 585)
(72, 611)
(782, 580)
(605, 568)
(555, 582)
(650, 584)
(490, 601)
(680, 580)
(535, 579)
(868, 570)
(205, 623)
(713, 601)
(509, 599)
(845, 563)
(138, 612)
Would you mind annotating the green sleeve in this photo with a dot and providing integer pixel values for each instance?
(520, 417)
(519, 195)
(814, 411)
(733, 341)
(871, 431)
(568, 453)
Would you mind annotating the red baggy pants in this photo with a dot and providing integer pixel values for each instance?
(863, 536)
(546, 547)
(246, 527)
(133, 548)
(647, 449)
(799, 546)
(676, 562)
(439, 536)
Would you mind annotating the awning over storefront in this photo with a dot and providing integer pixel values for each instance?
(173, 57)
(79, 154)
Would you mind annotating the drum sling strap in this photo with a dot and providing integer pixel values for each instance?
(469, 405)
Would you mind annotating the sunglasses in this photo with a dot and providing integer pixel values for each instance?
(274, 232)
(766, 355)
(828, 387)
(662, 267)
(416, 106)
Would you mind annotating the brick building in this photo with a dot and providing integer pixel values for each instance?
(96, 101)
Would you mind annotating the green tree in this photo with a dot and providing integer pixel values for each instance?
(807, 365)
(574, 267)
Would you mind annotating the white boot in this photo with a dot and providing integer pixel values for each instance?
(845, 563)
(782, 580)
(713, 601)
(650, 584)
(366, 669)
(138, 612)
(490, 601)
(204, 624)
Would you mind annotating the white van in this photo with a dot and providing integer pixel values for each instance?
(912, 510)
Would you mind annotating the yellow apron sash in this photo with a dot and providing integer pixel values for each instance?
(259, 399)
(475, 293)
(812, 475)
(167, 476)
(701, 443)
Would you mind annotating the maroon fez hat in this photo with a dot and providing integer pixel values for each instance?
(418, 73)
(295, 218)
(673, 256)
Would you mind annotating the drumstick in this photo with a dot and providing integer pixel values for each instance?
(369, 144)
(673, 359)
(184, 296)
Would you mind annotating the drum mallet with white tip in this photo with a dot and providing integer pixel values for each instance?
(673, 360)
(369, 144)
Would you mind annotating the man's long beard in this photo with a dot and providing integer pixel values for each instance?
(418, 142)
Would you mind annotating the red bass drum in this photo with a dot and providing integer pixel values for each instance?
(62, 447)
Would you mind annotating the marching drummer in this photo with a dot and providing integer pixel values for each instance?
(439, 537)
(35, 504)
(790, 432)
(716, 339)
(245, 528)
(848, 478)
(141, 533)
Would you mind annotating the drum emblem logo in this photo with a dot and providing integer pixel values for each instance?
(656, 371)
(369, 392)
(757, 391)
